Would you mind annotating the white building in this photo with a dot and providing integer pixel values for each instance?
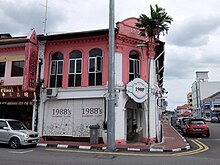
(202, 89)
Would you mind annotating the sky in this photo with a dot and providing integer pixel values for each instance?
(192, 43)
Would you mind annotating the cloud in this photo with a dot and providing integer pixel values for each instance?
(194, 31)
(19, 18)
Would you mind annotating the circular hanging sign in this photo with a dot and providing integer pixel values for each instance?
(137, 90)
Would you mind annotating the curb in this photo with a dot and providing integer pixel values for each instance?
(118, 149)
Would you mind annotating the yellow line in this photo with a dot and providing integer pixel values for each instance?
(202, 148)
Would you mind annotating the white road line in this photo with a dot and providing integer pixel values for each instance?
(20, 152)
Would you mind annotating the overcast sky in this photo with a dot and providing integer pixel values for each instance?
(192, 44)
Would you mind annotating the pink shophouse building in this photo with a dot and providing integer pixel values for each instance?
(75, 85)
(18, 73)
(74, 71)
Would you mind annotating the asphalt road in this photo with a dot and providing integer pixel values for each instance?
(54, 156)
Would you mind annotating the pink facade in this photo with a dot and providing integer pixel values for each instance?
(127, 37)
(8, 55)
(14, 101)
(75, 73)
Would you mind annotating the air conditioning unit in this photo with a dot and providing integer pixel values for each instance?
(51, 92)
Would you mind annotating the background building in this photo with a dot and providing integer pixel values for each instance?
(18, 69)
(189, 101)
(211, 106)
(202, 89)
(183, 111)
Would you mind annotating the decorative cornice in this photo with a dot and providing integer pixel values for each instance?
(12, 48)
(78, 41)
(126, 40)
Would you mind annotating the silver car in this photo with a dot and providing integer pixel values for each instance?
(15, 133)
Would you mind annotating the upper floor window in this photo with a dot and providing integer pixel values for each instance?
(75, 68)
(17, 68)
(134, 65)
(56, 72)
(2, 69)
(95, 67)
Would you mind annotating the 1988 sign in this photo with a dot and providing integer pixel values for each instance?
(91, 111)
(61, 112)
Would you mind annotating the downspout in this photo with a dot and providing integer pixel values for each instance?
(38, 88)
(34, 112)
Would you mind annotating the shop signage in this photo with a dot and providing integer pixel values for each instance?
(10, 92)
(73, 117)
(30, 63)
(137, 90)
(16, 102)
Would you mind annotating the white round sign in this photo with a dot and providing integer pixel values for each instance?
(137, 90)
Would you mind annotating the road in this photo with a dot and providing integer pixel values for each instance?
(54, 156)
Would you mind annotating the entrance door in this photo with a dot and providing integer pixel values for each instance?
(132, 125)
(18, 112)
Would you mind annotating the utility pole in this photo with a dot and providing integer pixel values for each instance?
(111, 81)
(45, 18)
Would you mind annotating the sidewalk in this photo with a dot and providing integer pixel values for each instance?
(172, 142)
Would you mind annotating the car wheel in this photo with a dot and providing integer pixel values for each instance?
(14, 143)
(208, 135)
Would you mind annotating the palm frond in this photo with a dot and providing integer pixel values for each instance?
(156, 24)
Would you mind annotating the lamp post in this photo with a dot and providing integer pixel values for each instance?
(111, 81)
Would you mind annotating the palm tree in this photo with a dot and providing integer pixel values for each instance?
(153, 26)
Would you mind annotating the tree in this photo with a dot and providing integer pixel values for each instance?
(153, 26)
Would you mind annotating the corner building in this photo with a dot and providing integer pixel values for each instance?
(75, 73)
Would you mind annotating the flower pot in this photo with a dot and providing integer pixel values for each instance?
(104, 136)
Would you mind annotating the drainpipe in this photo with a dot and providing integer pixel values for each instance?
(34, 111)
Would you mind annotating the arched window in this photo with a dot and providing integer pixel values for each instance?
(56, 72)
(95, 67)
(134, 65)
(75, 68)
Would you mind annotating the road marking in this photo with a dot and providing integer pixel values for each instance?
(201, 148)
(20, 152)
(106, 153)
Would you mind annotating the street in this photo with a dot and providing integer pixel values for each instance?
(55, 156)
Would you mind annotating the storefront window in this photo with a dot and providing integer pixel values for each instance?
(134, 65)
(75, 68)
(2, 69)
(56, 73)
(95, 67)
(17, 68)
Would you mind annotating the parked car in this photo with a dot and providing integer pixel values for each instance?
(183, 123)
(174, 121)
(207, 119)
(214, 120)
(15, 133)
(178, 122)
(197, 127)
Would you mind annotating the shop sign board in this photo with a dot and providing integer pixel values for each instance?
(30, 63)
(12, 92)
(137, 90)
(73, 117)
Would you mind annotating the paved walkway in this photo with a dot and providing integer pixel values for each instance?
(172, 142)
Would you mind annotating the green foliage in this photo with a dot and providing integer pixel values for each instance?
(156, 24)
